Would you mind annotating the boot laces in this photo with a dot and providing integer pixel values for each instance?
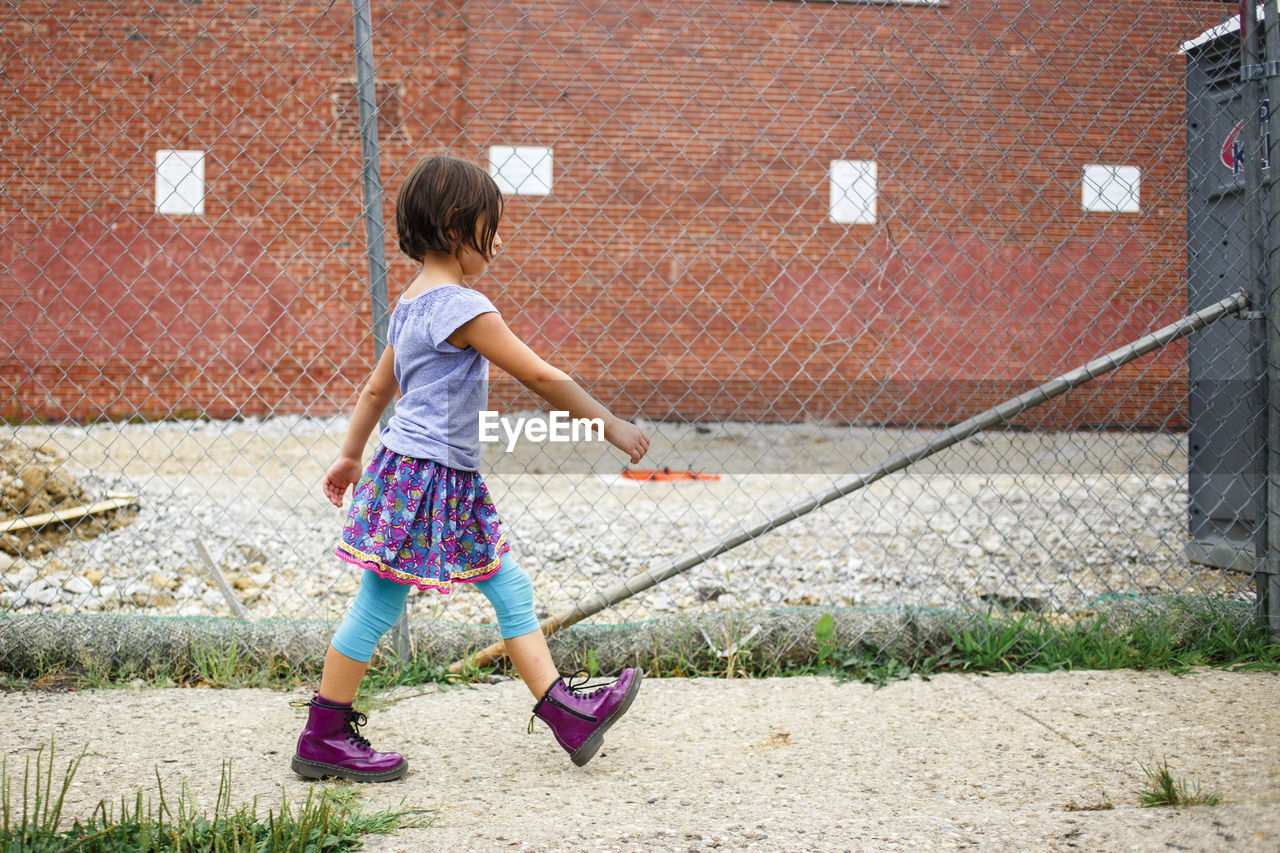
(577, 683)
(354, 721)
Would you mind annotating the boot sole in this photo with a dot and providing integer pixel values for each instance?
(318, 770)
(591, 745)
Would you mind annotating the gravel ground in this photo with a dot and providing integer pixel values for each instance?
(956, 762)
(1055, 519)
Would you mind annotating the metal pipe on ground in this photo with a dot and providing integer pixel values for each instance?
(991, 417)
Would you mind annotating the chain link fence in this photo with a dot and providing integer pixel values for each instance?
(790, 239)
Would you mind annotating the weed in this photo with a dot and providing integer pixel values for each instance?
(879, 671)
(824, 634)
(40, 811)
(217, 666)
(1165, 790)
(384, 822)
(334, 821)
(389, 670)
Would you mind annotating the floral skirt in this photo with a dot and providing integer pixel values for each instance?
(418, 522)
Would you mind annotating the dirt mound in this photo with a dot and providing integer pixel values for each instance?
(35, 483)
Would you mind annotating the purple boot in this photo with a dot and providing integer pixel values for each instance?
(331, 745)
(579, 718)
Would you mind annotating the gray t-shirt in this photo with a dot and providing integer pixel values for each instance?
(442, 388)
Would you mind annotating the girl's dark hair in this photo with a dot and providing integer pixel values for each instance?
(447, 203)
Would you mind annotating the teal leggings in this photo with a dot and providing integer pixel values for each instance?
(378, 604)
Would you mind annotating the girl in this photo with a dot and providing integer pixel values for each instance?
(421, 514)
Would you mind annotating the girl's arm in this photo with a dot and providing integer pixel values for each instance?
(491, 337)
(377, 394)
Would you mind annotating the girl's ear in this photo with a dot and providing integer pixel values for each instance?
(452, 236)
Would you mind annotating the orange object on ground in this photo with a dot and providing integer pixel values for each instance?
(665, 475)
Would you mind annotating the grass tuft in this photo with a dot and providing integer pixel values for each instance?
(1164, 790)
(330, 823)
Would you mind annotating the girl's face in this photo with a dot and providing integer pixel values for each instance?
(473, 263)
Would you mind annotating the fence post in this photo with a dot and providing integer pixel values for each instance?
(1256, 271)
(1268, 577)
(375, 230)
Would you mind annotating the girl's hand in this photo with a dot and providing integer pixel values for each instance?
(342, 475)
(628, 438)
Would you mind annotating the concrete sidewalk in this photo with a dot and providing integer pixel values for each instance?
(799, 764)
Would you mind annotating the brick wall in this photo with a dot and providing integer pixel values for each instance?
(684, 264)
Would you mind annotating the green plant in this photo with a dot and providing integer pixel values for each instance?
(41, 812)
(347, 801)
(1165, 790)
(390, 670)
(330, 823)
(880, 671)
(824, 635)
(217, 666)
